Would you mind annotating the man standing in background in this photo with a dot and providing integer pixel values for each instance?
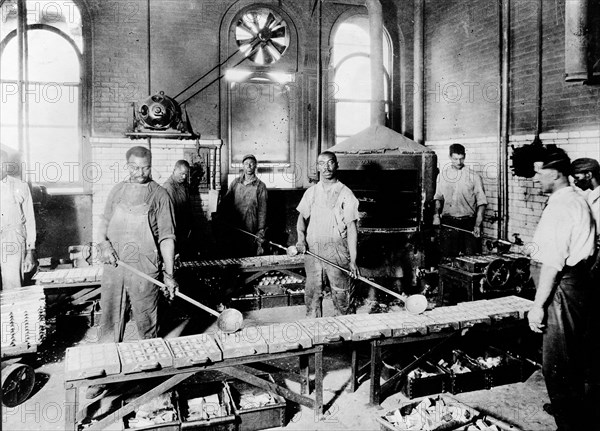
(177, 187)
(17, 228)
(460, 203)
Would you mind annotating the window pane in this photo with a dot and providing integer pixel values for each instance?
(353, 79)
(54, 154)
(9, 66)
(351, 118)
(63, 15)
(51, 58)
(8, 20)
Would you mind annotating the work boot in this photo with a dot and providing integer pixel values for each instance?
(93, 391)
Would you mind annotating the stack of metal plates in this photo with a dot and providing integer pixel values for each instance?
(442, 318)
(245, 342)
(87, 274)
(92, 360)
(194, 350)
(403, 323)
(282, 337)
(144, 355)
(364, 326)
(325, 330)
(23, 318)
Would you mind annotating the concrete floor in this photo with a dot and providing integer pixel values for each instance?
(520, 404)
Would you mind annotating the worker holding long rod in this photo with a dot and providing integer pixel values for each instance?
(327, 227)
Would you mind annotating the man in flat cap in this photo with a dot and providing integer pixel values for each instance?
(586, 176)
(245, 206)
(563, 242)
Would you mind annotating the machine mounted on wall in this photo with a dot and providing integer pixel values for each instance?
(160, 116)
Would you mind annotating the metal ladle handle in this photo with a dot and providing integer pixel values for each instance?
(164, 286)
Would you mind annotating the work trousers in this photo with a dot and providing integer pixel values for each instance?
(12, 254)
(342, 288)
(564, 354)
(454, 242)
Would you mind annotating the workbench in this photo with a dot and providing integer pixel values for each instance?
(235, 367)
(444, 336)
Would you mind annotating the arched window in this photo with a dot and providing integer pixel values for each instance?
(351, 87)
(42, 86)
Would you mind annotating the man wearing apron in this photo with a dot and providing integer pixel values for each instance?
(137, 227)
(17, 228)
(327, 227)
(563, 242)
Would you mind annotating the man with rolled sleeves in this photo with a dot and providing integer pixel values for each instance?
(327, 227)
(177, 188)
(460, 204)
(563, 242)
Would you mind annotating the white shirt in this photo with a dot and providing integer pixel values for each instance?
(566, 232)
(593, 200)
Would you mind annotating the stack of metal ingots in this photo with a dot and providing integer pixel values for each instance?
(149, 355)
(88, 274)
(23, 318)
(247, 262)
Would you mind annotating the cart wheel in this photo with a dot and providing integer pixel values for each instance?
(17, 384)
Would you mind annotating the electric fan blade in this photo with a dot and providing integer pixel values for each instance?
(273, 50)
(278, 46)
(242, 24)
(269, 21)
(279, 31)
(267, 55)
(258, 57)
(241, 34)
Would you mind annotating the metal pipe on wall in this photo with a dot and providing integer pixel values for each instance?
(418, 101)
(504, 17)
(376, 37)
(576, 40)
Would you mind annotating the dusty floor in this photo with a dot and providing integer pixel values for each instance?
(520, 404)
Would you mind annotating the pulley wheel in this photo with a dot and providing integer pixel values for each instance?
(520, 272)
(17, 383)
(497, 273)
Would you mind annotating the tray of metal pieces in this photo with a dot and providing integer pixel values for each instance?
(92, 360)
(245, 342)
(325, 330)
(465, 317)
(522, 305)
(364, 326)
(442, 318)
(282, 337)
(496, 311)
(144, 355)
(476, 263)
(403, 323)
(70, 275)
(194, 350)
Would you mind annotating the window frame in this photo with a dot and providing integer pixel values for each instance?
(83, 118)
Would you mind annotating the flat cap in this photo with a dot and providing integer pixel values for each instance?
(585, 164)
(249, 156)
(557, 158)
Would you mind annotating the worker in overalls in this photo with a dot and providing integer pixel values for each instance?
(17, 228)
(563, 242)
(138, 228)
(327, 227)
(244, 206)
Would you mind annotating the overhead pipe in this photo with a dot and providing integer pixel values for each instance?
(502, 183)
(576, 40)
(376, 36)
(419, 67)
(538, 113)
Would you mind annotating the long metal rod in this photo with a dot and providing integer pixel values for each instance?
(346, 271)
(164, 286)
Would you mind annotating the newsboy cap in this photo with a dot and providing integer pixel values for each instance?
(249, 156)
(585, 164)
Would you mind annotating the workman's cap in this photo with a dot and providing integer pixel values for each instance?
(585, 164)
(249, 156)
(557, 159)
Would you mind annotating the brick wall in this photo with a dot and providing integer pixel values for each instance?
(462, 71)
(525, 200)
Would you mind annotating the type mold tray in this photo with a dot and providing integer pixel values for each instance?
(144, 355)
(92, 360)
(325, 330)
(194, 350)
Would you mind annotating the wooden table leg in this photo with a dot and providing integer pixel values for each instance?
(71, 407)
(375, 372)
(354, 369)
(304, 374)
(319, 383)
